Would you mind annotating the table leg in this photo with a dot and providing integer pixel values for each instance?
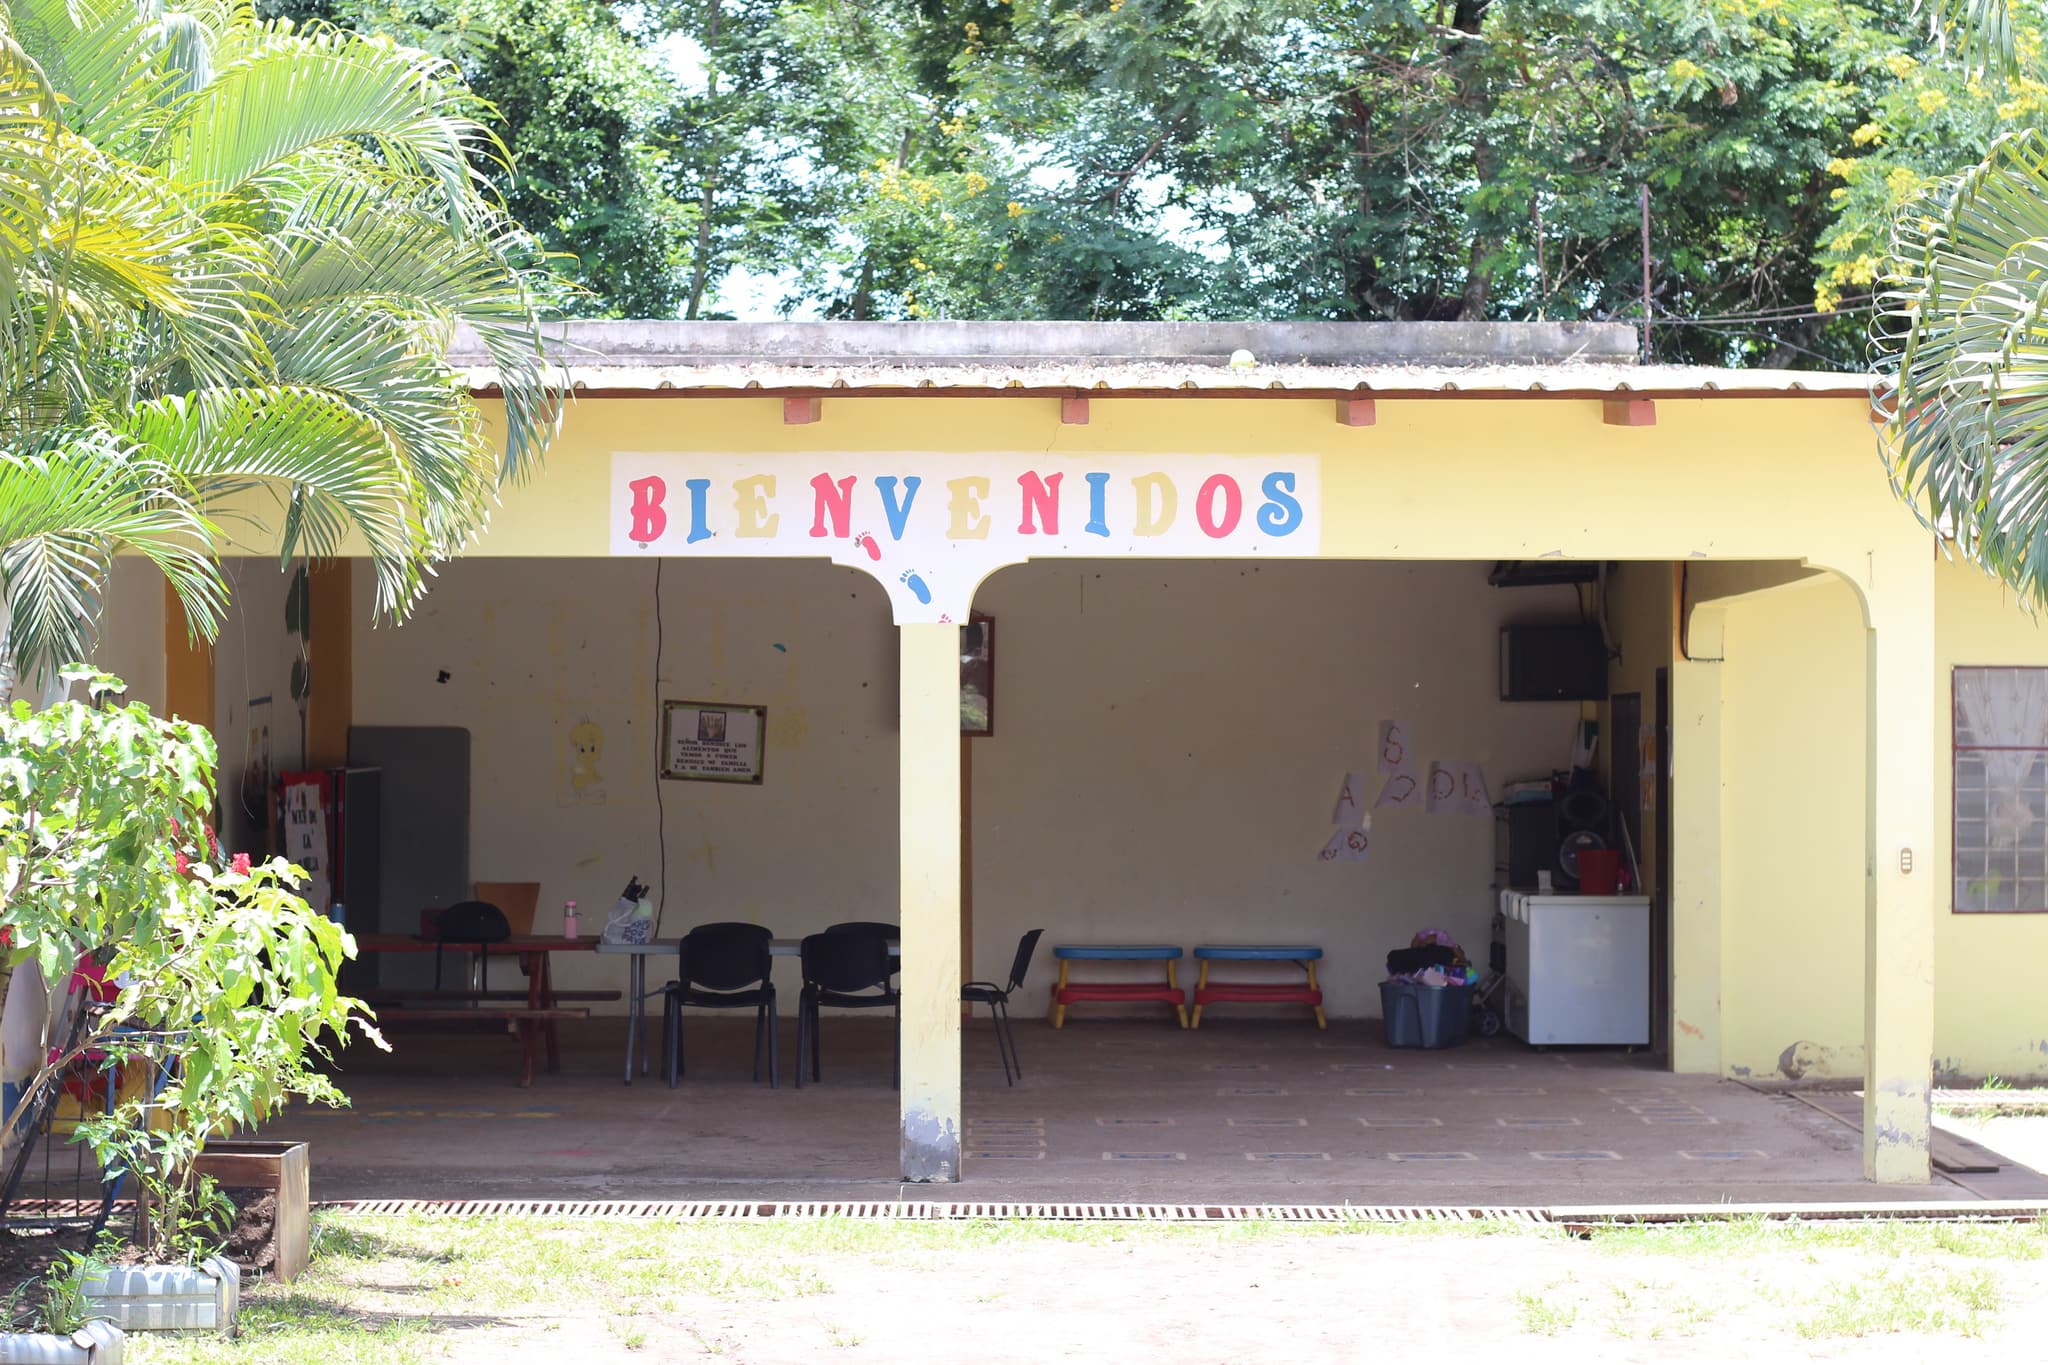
(1059, 1011)
(1201, 983)
(540, 994)
(632, 1010)
(1321, 1021)
(1180, 1007)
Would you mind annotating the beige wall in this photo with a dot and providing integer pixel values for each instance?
(534, 647)
(252, 660)
(131, 635)
(1792, 888)
(1169, 741)
(1988, 1019)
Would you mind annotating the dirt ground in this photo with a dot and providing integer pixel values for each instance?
(397, 1291)
(1282, 1301)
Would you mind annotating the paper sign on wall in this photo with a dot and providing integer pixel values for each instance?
(305, 835)
(1350, 811)
(1458, 789)
(1397, 760)
(1346, 846)
(1394, 752)
(1403, 788)
(1473, 798)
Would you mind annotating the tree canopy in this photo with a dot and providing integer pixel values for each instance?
(1132, 159)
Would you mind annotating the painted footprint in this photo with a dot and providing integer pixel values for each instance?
(917, 588)
(867, 542)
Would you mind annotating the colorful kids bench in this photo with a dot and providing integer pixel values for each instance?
(1209, 992)
(1167, 992)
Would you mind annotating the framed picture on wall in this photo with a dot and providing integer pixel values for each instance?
(978, 676)
(712, 741)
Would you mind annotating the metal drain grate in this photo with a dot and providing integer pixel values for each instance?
(930, 1211)
(1586, 1219)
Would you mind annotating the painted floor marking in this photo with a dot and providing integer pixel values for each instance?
(1431, 1156)
(1586, 1155)
(1538, 1122)
(1411, 1122)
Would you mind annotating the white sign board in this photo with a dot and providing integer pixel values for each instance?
(930, 527)
(709, 741)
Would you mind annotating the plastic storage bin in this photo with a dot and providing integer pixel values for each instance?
(1425, 1016)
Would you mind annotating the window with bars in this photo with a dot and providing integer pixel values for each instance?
(2001, 789)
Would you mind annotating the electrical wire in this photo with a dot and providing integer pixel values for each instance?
(660, 792)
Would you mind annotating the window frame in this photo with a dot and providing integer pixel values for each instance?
(1956, 750)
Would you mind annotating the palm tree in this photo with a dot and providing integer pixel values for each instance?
(233, 255)
(1960, 344)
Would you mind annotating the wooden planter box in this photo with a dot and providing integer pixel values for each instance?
(169, 1298)
(284, 1169)
(96, 1343)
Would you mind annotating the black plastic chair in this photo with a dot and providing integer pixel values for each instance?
(997, 998)
(871, 926)
(724, 966)
(847, 969)
(468, 923)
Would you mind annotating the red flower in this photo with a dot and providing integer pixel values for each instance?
(184, 864)
(240, 864)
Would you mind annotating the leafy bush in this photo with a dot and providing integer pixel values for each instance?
(220, 974)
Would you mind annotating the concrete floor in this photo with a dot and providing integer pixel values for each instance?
(1110, 1110)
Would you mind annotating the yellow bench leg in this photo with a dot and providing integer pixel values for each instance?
(1321, 1021)
(1059, 1011)
(1201, 981)
(1173, 980)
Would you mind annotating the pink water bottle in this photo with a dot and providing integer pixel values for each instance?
(568, 919)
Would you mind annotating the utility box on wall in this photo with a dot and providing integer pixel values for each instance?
(1553, 663)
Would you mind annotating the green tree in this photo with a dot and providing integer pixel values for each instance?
(232, 259)
(103, 856)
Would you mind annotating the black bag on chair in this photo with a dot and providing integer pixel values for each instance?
(470, 922)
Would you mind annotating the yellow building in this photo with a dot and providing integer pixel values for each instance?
(1208, 584)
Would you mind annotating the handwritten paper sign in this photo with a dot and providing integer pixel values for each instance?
(930, 527)
(709, 741)
(1346, 846)
(1350, 809)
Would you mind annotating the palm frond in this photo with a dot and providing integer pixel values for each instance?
(289, 92)
(1979, 32)
(1961, 340)
(337, 471)
(66, 508)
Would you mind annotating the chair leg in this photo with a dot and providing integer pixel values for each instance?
(760, 1018)
(672, 1040)
(803, 1039)
(995, 1026)
(774, 1063)
(1010, 1034)
(817, 1065)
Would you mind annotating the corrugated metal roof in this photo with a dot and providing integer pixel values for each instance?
(1158, 379)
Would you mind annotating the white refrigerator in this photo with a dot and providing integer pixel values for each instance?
(1578, 968)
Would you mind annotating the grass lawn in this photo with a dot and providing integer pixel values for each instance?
(387, 1289)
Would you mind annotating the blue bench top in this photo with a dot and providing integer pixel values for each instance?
(1119, 952)
(1258, 952)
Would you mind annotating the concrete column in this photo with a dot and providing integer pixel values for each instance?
(1901, 878)
(1696, 849)
(929, 850)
